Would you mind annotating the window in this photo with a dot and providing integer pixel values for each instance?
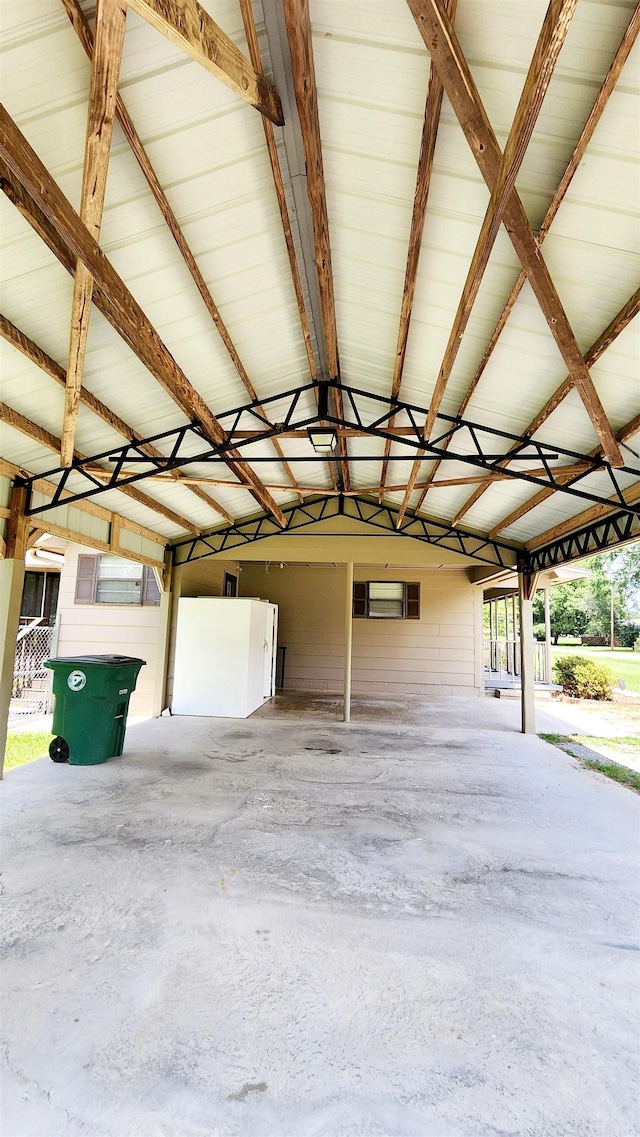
(115, 580)
(386, 600)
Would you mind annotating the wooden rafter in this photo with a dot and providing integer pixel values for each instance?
(192, 29)
(30, 186)
(83, 31)
(442, 44)
(298, 22)
(276, 171)
(48, 489)
(602, 98)
(597, 349)
(270, 138)
(38, 434)
(552, 36)
(430, 124)
(628, 431)
(103, 90)
(631, 497)
(18, 339)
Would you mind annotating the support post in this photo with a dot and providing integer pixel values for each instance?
(164, 632)
(547, 633)
(348, 639)
(526, 592)
(11, 585)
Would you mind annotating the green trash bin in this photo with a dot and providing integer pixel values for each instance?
(92, 702)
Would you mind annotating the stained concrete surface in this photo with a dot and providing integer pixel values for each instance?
(289, 926)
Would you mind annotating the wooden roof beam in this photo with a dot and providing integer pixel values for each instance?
(430, 124)
(627, 42)
(37, 433)
(29, 185)
(83, 31)
(193, 30)
(103, 89)
(18, 339)
(298, 23)
(276, 171)
(628, 431)
(587, 133)
(444, 48)
(609, 335)
(552, 36)
(631, 496)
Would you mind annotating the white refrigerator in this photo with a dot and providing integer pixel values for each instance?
(225, 660)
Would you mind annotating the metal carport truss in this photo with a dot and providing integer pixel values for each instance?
(273, 207)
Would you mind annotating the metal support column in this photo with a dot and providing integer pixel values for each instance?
(348, 639)
(164, 634)
(526, 592)
(547, 633)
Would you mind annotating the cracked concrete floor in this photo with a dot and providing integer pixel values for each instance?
(270, 928)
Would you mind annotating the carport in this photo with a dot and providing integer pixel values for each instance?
(275, 299)
(297, 287)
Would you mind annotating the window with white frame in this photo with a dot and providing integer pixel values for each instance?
(386, 600)
(108, 579)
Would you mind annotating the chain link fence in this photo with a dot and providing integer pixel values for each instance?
(31, 690)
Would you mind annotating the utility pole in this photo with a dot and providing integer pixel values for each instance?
(612, 617)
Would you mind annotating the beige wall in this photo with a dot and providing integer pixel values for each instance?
(103, 629)
(439, 654)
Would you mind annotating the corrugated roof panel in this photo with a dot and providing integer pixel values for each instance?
(209, 153)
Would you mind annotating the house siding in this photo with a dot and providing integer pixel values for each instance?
(103, 629)
(439, 654)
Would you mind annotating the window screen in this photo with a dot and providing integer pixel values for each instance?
(386, 599)
(119, 581)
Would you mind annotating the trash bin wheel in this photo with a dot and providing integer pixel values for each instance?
(59, 750)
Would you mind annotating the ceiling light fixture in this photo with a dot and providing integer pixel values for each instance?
(323, 440)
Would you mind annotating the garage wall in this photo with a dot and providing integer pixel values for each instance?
(439, 654)
(103, 629)
(203, 578)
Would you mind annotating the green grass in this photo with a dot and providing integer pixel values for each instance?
(622, 774)
(628, 746)
(624, 662)
(25, 746)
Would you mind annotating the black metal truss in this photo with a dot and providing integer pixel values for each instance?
(362, 411)
(597, 537)
(233, 538)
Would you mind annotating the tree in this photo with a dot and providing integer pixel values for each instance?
(568, 609)
(584, 606)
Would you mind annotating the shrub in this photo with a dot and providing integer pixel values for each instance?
(628, 632)
(539, 631)
(584, 678)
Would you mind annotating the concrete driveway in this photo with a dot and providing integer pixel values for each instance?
(286, 926)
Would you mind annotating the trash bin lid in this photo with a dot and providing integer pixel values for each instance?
(98, 660)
